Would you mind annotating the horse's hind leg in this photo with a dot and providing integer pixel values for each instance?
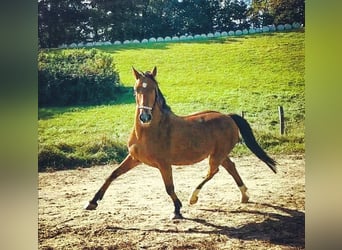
(212, 171)
(230, 167)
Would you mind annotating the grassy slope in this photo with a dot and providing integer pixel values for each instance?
(255, 73)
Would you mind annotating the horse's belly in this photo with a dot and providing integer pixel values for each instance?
(190, 159)
(190, 153)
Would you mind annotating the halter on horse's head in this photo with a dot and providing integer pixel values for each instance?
(148, 95)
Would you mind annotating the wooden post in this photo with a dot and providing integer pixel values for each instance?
(281, 120)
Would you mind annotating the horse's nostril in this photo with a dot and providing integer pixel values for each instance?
(145, 117)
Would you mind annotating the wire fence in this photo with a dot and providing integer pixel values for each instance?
(280, 119)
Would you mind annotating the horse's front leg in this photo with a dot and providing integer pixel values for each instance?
(166, 172)
(124, 167)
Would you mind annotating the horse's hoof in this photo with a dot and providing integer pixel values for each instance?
(244, 193)
(176, 216)
(193, 200)
(90, 206)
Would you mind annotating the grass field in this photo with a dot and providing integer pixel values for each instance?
(254, 73)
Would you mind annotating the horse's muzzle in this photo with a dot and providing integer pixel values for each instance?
(145, 116)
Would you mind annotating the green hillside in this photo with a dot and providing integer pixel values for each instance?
(254, 73)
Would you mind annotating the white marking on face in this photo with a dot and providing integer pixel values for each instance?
(144, 85)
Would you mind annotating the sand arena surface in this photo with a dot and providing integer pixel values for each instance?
(134, 213)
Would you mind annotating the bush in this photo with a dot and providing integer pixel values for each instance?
(76, 77)
(61, 156)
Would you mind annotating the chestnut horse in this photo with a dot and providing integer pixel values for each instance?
(162, 139)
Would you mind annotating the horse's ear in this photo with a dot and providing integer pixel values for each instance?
(154, 71)
(136, 74)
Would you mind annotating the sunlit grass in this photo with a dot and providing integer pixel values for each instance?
(254, 74)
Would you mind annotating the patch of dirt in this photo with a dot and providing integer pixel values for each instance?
(134, 213)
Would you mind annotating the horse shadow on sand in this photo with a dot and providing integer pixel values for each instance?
(277, 228)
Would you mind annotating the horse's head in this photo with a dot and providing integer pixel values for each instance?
(145, 90)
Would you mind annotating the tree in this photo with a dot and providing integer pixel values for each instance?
(239, 13)
(260, 14)
(288, 11)
(59, 22)
(101, 18)
(266, 12)
(77, 21)
(232, 14)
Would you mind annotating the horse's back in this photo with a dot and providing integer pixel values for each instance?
(210, 118)
(198, 135)
(200, 114)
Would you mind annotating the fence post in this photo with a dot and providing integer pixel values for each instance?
(281, 120)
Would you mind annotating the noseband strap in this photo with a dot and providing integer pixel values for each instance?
(144, 107)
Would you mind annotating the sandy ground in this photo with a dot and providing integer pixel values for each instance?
(135, 211)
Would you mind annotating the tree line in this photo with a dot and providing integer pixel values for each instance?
(70, 21)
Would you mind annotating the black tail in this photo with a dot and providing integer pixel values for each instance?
(248, 136)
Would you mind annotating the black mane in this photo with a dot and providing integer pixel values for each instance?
(160, 99)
